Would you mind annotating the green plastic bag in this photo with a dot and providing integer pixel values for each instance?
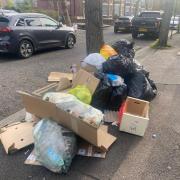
(82, 93)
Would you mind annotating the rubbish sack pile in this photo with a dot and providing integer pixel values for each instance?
(54, 145)
(115, 81)
(136, 81)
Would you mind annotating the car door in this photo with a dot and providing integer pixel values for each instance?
(34, 28)
(50, 31)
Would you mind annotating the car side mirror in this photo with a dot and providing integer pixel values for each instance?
(59, 25)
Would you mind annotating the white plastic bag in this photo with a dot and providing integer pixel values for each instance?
(94, 59)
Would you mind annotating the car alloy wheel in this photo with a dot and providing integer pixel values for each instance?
(70, 42)
(25, 49)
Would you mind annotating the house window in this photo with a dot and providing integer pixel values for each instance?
(105, 9)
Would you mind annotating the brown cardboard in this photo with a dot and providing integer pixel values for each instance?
(44, 109)
(63, 84)
(56, 76)
(88, 150)
(17, 136)
(82, 78)
(48, 88)
(87, 79)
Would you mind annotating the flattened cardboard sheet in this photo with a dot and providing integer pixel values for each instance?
(17, 136)
(56, 76)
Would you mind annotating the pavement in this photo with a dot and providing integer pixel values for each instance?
(156, 156)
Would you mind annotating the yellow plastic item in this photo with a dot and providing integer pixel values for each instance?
(107, 51)
(82, 93)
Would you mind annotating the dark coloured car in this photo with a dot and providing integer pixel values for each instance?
(123, 24)
(25, 33)
(147, 22)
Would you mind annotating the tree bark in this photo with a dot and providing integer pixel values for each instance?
(136, 7)
(65, 12)
(164, 29)
(94, 26)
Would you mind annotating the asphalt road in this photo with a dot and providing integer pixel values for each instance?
(30, 74)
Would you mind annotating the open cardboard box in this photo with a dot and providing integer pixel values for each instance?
(135, 118)
(44, 109)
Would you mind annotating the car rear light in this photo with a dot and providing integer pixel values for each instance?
(5, 29)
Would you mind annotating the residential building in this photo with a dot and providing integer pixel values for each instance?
(3, 3)
(75, 7)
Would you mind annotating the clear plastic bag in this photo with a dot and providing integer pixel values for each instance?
(54, 145)
(71, 104)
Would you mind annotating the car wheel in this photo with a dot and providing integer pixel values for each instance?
(70, 42)
(26, 49)
(134, 34)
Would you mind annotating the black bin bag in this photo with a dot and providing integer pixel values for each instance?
(107, 97)
(125, 48)
(119, 65)
(141, 87)
(101, 96)
(118, 96)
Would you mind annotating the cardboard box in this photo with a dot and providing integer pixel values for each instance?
(135, 118)
(44, 109)
(81, 78)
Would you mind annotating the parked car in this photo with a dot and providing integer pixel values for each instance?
(25, 33)
(175, 21)
(6, 12)
(148, 22)
(123, 24)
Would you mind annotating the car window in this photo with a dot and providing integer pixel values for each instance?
(48, 22)
(20, 22)
(150, 14)
(125, 19)
(33, 22)
(4, 22)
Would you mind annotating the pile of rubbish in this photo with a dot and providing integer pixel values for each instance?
(74, 111)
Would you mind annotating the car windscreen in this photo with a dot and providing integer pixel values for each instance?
(150, 14)
(4, 22)
(124, 19)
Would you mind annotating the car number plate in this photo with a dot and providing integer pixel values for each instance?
(121, 28)
(143, 30)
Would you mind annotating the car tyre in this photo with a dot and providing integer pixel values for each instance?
(134, 34)
(70, 42)
(26, 49)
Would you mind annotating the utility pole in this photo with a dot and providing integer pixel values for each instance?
(164, 29)
(94, 26)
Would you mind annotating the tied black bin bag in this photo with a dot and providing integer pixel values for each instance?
(125, 48)
(107, 97)
(119, 65)
(141, 87)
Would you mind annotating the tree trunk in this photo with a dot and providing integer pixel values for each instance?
(164, 29)
(136, 7)
(94, 26)
(65, 12)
